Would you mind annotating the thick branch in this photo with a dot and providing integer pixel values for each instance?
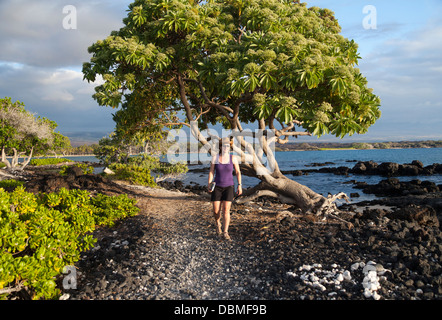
(183, 97)
(7, 290)
(223, 109)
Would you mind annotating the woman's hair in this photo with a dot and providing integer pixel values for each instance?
(224, 141)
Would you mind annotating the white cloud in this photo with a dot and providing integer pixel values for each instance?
(40, 61)
(61, 76)
(32, 33)
(60, 95)
(406, 73)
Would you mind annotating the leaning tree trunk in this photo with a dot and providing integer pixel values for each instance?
(289, 191)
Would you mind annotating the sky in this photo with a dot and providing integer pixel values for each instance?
(43, 45)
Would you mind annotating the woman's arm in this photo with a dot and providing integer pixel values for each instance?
(238, 174)
(211, 174)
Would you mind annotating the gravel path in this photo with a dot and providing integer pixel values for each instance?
(170, 251)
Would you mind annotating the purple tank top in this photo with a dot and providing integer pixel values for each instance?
(224, 173)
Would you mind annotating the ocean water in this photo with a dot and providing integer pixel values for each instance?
(324, 183)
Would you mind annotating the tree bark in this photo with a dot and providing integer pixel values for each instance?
(283, 188)
(4, 160)
(26, 160)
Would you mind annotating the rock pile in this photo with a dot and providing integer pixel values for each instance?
(272, 256)
(391, 169)
(73, 179)
(334, 277)
(387, 169)
(393, 187)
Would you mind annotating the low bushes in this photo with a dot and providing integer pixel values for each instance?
(10, 184)
(48, 161)
(133, 173)
(84, 168)
(142, 169)
(41, 234)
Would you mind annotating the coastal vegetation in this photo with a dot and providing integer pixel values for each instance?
(41, 234)
(48, 161)
(22, 134)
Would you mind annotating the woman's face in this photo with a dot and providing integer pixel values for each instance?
(225, 147)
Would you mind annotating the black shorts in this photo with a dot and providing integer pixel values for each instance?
(222, 194)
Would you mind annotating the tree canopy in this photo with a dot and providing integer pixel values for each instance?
(276, 63)
(234, 62)
(23, 133)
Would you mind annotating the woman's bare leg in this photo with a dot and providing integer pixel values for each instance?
(217, 215)
(226, 217)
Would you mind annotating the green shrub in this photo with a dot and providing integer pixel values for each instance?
(133, 173)
(48, 161)
(40, 235)
(84, 167)
(10, 184)
(155, 165)
(110, 209)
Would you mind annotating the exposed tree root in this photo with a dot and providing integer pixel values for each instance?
(321, 207)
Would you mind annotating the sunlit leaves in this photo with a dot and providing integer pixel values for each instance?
(237, 50)
(338, 86)
(251, 83)
(285, 114)
(40, 235)
(138, 17)
(344, 126)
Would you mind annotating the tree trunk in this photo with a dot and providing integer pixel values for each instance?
(26, 160)
(14, 161)
(4, 160)
(292, 192)
(285, 189)
(273, 182)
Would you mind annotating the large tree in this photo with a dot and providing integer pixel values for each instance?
(276, 63)
(21, 133)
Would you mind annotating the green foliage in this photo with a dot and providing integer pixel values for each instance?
(231, 51)
(109, 151)
(22, 132)
(110, 209)
(48, 161)
(84, 167)
(40, 235)
(154, 164)
(362, 145)
(10, 184)
(139, 170)
(133, 173)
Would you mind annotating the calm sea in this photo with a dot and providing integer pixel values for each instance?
(325, 183)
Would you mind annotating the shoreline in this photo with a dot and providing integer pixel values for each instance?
(170, 250)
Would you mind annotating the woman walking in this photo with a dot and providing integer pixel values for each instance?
(221, 167)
